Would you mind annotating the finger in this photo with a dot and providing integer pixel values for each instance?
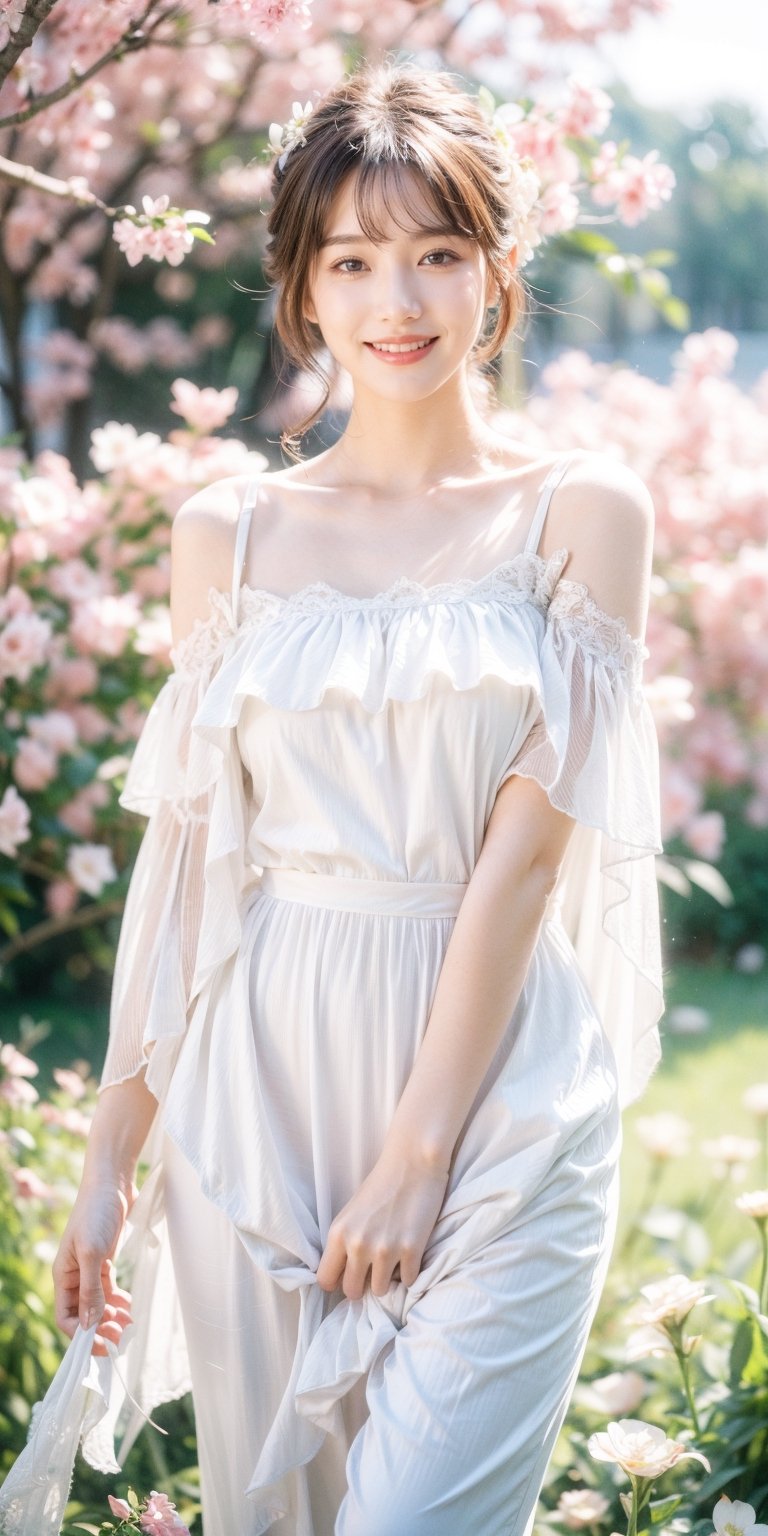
(331, 1266)
(92, 1300)
(355, 1274)
(381, 1272)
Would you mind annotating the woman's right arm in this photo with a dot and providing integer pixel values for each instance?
(83, 1272)
(157, 943)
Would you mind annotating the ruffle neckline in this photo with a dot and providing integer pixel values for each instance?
(525, 578)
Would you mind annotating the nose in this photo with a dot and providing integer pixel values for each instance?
(398, 297)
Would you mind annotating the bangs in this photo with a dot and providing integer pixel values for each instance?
(386, 186)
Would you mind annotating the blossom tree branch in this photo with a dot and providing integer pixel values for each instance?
(35, 13)
(52, 927)
(135, 37)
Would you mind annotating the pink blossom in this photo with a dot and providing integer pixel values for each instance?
(16, 1063)
(587, 112)
(92, 724)
(24, 642)
(705, 834)
(122, 342)
(103, 624)
(71, 1119)
(707, 353)
(60, 898)
(680, 799)
(559, 208)
(70, 1082)
(75, 580)
(54, 729)
(14, 821)
(77, 816)
(18, 1092)
(120, 1507)
(34, 766)
(14, 601)
(29, 1186)
(203, 409)
(12, 12)
(160, 1516)
(72, 677)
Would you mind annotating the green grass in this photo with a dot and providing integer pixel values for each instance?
(702, 1078)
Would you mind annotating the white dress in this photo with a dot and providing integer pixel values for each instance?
(318, 771)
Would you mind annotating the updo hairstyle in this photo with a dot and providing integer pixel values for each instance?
(383, 117)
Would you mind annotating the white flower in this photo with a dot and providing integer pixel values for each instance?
(754, 1204)
(640, 1449)
(581, 1507)
(90, 866)
(669, 1300)
(646, 1341)
(117, 445)
(664, 1135)
(732, 1518)
(285, 136)
(756, 1100)
(750, 959)
(730, 1153)
(619, 1392)
(687, 1019)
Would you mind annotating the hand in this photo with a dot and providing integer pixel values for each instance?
(83, 1272)
(386, 1224)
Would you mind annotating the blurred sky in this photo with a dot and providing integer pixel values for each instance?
(697, 50)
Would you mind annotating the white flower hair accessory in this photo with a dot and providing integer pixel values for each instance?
(525, 184)
(283, 137)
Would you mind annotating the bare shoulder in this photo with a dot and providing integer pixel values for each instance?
(203, 549)
(604, 492)
(602, 512)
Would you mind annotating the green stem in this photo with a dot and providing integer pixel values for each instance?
(685, 1373)
(632, 1527)
(763, 1288)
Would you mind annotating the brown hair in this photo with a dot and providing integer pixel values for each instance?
(378, 119)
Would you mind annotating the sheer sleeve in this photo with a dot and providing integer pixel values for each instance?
(592, 745)
(189, 872)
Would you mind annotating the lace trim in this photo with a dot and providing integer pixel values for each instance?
(206, 637)
(605, 635)
(525, 578)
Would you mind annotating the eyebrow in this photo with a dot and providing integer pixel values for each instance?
(419, 234)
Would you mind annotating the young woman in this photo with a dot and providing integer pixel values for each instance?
(389, 967)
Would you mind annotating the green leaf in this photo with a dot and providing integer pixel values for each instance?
(741, 1350)
(661, 1509)
(676, 313)
(654, 283)
(201, 234)
(590, 242)
(717, 1480)
(661, 258)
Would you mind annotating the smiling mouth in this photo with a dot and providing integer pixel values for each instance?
(403, 346)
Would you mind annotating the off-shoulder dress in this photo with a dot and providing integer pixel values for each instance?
(318, 772)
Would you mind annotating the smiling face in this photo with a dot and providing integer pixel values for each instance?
(422, 281)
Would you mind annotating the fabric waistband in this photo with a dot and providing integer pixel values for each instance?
(402, 898)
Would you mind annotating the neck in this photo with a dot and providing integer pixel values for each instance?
(403, 450)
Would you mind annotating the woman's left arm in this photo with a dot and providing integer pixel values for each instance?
(391, 1217)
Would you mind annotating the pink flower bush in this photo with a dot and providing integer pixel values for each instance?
(85, 643)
